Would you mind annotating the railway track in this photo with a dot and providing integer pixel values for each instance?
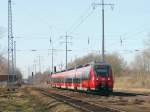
(80, 104)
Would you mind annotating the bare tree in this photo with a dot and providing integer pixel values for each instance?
(141, 63)
(117, 62)
(1, 32)
(3, 61)
(3, 66)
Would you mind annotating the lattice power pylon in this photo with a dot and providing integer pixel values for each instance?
(10, 45)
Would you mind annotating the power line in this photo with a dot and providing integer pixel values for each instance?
(84, 14)
(80, 20)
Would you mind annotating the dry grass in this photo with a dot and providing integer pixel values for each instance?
(138, 81)
(51, 105)
(20, 101)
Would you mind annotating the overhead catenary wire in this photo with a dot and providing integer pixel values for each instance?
(74, 27)
(81, 22)
(121, 39)
(139, 30)
(74, 24)
(87, 13)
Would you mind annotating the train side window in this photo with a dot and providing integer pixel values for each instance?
(86, 75)
(53, 80)
(66, 80)
(69, 80)
(76, 80)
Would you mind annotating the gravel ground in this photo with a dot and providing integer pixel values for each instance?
(127, 101)
(29, 100)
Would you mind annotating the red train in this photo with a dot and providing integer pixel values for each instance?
(90, 77)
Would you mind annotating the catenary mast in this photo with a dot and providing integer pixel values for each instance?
(103, 4)
(10, 44)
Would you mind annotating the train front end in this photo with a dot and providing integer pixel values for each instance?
(103, 77)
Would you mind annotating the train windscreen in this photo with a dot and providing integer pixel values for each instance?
(101, 70)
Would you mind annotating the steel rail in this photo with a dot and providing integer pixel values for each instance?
(80, 104)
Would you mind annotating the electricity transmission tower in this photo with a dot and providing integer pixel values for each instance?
(10, 45)
(14, 59)
(103, 26)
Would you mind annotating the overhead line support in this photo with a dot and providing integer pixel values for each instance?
(103, 27)
(66, 42)
(10, 45)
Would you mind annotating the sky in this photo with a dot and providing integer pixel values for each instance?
(36, 21)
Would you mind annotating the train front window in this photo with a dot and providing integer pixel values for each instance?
(101, 70)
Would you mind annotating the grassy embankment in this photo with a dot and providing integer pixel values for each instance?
(19, 101)
(139, 82)
(30, 100)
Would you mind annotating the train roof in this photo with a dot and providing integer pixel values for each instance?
(100, 63)
(81, 66)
